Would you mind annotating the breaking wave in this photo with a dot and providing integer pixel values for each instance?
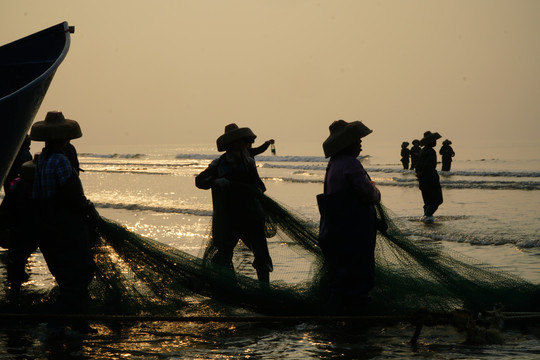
(157, 209)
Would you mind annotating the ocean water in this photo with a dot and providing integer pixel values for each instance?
(490, 213)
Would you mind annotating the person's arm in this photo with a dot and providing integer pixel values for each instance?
(206, 178)
(362, 184)
(260, 149)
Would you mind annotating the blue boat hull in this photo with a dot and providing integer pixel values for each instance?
(27, 67)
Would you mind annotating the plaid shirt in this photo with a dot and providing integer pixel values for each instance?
(51, 172)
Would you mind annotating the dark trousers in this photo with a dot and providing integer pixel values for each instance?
(252, 235)
(66, 248)
(430, 187)
(405, 164)
(446, 164)
(22, 244)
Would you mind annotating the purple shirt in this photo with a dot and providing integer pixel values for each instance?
(345, 173)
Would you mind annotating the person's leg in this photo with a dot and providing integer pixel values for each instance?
(430, 209)
(445, 165)
(225, 250)
(253, 236)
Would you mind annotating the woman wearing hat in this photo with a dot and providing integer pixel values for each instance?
(405, 154)
(63, 211)
(428, 177)
(447, 154)
(347, 229)
(415, 153)
(238, 214)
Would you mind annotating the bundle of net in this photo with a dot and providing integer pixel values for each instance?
(409, 275)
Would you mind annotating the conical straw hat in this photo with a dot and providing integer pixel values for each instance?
(55, 127)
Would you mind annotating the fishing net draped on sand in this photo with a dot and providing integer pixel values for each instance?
(137, 275)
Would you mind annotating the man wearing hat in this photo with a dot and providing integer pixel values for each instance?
(347, 229)
(405, 154)
(447, 154)
(415, 153)
(238, 213)
(428, 177)
(63, 212)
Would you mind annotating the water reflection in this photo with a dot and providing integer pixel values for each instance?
(168, 340)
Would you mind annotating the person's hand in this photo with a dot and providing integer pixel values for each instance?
(221, 182)
(271, 141)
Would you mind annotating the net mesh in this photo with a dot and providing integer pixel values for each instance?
(138, 275)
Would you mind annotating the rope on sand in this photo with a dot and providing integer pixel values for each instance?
(203, 319)
(520, 315)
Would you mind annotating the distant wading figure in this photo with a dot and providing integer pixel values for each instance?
(428, 177)
(238, 213)
(347, 230)
(63, 216)
(415, 153)
(447, 154)
(405, 154)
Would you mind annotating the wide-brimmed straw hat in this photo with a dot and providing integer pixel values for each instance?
(447, 142)
(343, 134)
(232, 134)
(55, 127)
(429, 137)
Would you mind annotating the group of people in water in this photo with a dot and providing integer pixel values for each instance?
(348, 218)
(62, 216)
(411, 155)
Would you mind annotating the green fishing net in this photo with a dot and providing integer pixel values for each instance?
(138, 275)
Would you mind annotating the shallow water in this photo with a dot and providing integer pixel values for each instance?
(490, 213)
(259, 341)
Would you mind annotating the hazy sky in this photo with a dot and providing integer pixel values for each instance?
(176, 72)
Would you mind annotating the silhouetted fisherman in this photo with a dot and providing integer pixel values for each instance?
(348, 224)
(428, 178)
(415, 153)
(238, 213)
(63, 216)
(447, 154)
(405, 155)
